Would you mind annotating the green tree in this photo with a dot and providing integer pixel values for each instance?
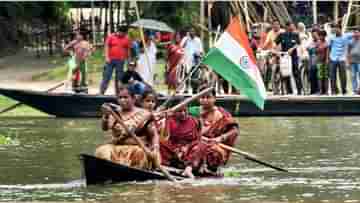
(177, 14)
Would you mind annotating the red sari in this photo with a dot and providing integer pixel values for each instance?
(182, 147)
(175, 55)
(216, 156)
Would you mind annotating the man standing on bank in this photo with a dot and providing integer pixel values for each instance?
(117, 51)
(289, 41)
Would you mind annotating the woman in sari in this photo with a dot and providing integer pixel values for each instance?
(174, 60)
(123, 148)
(82, 50)
(218, 126)
(182, 149)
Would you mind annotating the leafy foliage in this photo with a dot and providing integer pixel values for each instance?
(27, 11)
(177, 14)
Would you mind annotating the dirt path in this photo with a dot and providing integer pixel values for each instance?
(16, 72)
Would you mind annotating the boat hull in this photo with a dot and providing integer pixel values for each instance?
(100, 171)
(83, 105)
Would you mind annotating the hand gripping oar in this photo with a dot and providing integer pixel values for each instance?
(20, 103)
(142, 145)
(250, 157)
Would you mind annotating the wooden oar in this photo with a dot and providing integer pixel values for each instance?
(250, 157)
(182, 83)
(20, 103)
(142, 145)
(190, 99)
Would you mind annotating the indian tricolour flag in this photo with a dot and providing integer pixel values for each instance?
(233, 59)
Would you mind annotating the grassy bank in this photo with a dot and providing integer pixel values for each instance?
(21, 110)
(95, 67)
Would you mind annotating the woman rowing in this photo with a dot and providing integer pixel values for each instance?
(182, 149)
(123, 148)
(218, 126)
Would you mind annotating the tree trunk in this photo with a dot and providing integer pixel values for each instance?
(101, 19)
(49, 38)
(111, 7)
(106, 24)
(127, 6)
(118, 13)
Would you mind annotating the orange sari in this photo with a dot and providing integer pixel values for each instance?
(123, 149)
(216, 156)
(175, 55)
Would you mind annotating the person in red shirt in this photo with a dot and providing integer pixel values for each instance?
(117, 51)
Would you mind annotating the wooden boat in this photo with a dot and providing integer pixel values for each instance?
(100, 171)
(84, 105)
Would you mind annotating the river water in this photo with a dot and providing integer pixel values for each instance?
(41, 163)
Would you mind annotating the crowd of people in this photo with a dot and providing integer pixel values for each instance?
(294, 60)
(124, 52)
(186, 138)
(285, 54)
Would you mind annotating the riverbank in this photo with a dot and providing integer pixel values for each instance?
(25, 71)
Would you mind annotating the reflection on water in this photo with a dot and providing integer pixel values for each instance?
(321, 153)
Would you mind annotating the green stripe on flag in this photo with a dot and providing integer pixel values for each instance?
(234, 74)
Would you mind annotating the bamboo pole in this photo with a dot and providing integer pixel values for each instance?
(277, 13)
(143, 38)
(271, 13)
(314, 6)
(357, 16)
(253, 13)
(202, 18)
(355, 11)
(265, 14)
(336, 10)
(347, 16)
(247, 15)
(209, 7)
(93, 23)
(284, 9)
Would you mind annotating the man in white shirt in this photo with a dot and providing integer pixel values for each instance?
(193, 49)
